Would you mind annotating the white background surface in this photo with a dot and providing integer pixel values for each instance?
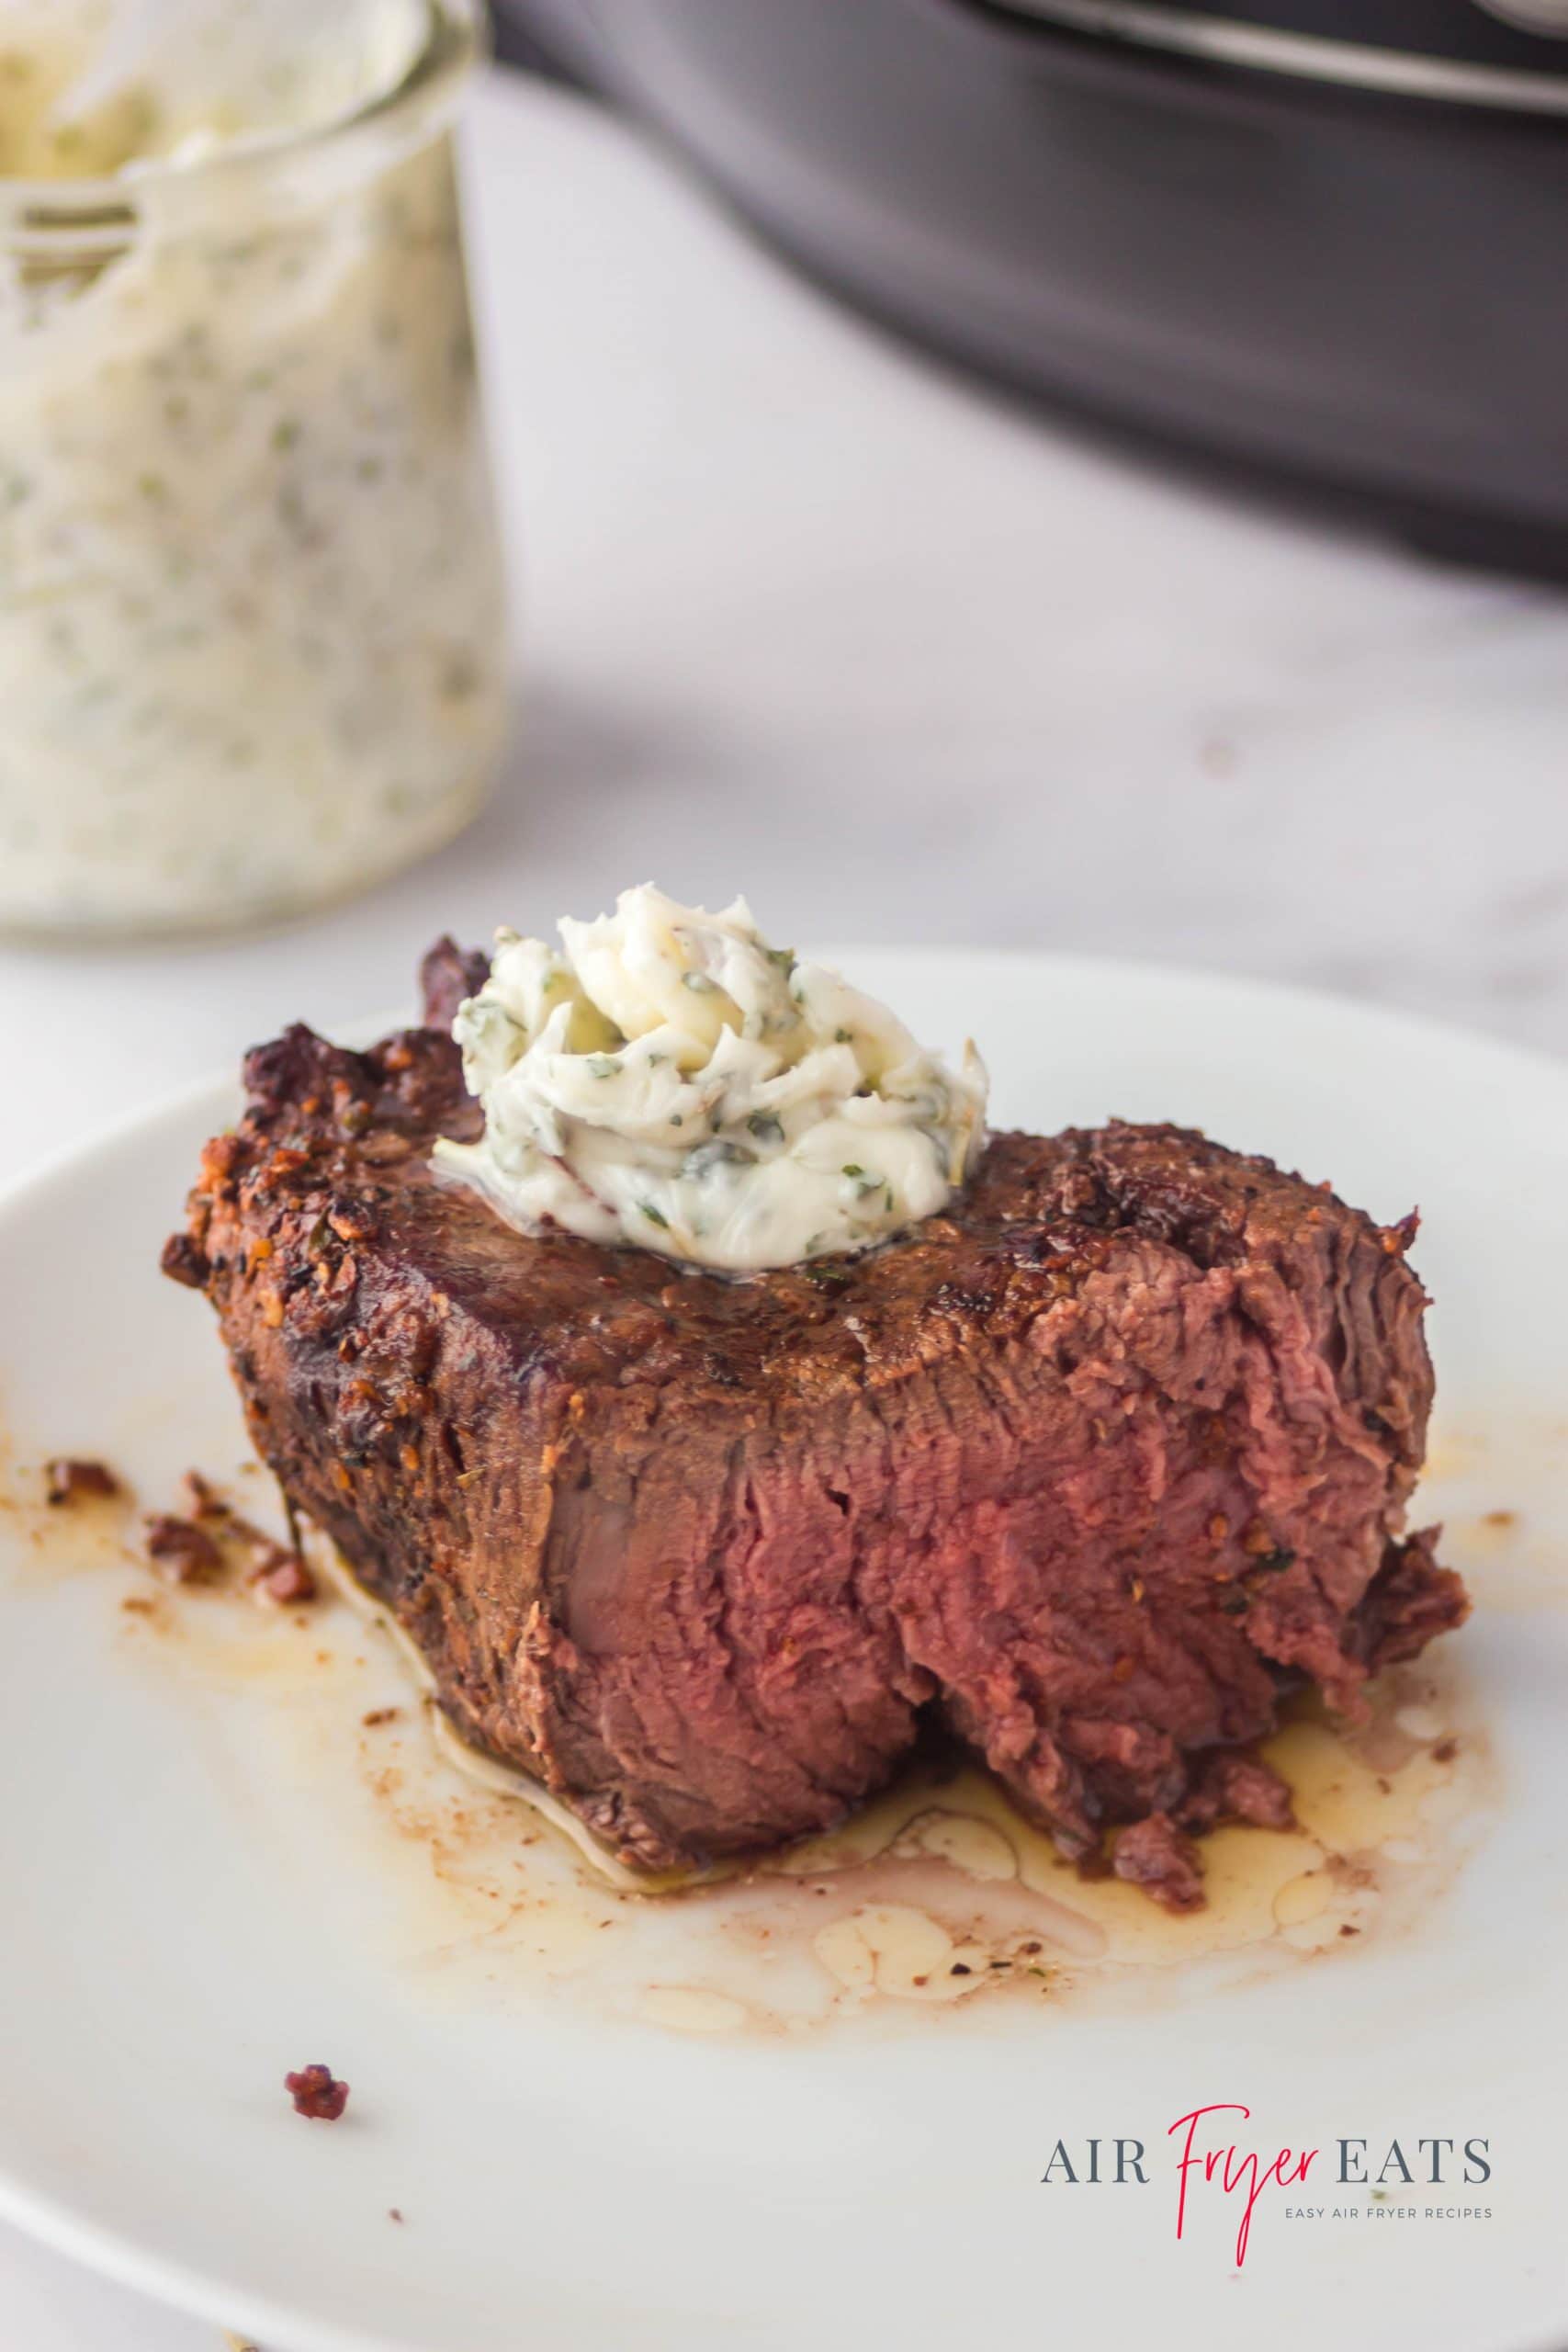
(805, 614)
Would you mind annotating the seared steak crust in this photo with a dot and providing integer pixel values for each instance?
(1097, 1466)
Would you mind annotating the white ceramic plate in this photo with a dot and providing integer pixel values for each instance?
(185, 1917)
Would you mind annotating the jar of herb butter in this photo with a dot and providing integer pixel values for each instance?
(253, 651)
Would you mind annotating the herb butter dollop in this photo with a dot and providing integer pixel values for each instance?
(666, 1078)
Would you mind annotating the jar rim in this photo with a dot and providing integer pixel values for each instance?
(456, 43)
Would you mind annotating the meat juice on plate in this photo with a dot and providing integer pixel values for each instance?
(251, 608)
(938, 1895)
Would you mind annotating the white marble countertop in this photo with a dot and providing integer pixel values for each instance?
(802, 613)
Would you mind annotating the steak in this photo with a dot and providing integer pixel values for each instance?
(1092, 1469)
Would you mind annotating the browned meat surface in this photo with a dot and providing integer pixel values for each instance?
(1096, 1467)
(446, 975)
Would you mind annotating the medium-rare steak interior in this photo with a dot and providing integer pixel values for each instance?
(1094, 1467)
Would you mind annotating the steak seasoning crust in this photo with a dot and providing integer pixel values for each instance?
(1096, 1467)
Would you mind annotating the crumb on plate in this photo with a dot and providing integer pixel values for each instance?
(69, 1482)
(181, 1550)
(317, 2094)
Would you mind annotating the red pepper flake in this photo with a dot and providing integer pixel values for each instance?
(317, 2093)
(79, 1482)
(181, 1551)
(380, 1716)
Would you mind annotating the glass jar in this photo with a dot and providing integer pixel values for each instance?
(253, 648)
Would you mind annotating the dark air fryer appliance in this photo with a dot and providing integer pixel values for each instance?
(1329, 238)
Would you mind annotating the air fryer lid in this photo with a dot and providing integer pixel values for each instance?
(1508, 36)
(1329, 255)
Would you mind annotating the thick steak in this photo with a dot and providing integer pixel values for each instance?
(1098, 1465)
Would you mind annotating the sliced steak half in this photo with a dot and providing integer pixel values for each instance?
(1098, 1465)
